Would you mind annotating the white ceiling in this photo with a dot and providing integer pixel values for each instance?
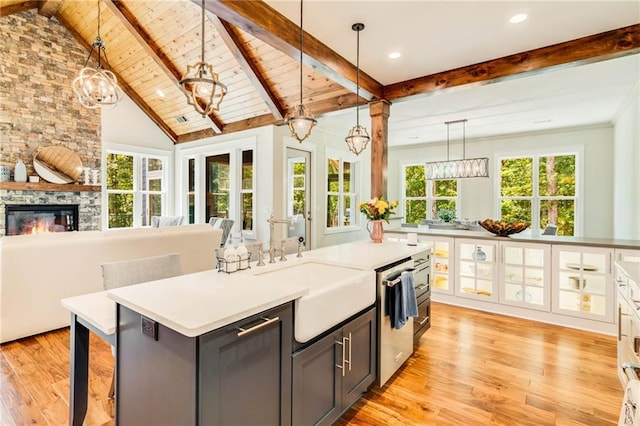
(435, 36)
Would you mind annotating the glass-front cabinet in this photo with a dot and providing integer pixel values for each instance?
(476, 269)
(583, 282)
(526, 275)
(442, 264)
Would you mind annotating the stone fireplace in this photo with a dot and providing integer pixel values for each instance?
(88, 205)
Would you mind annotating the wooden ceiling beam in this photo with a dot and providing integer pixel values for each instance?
(265, 23)
(254, 74)
(326, 106)
(593, 48)
(154, 51)
(48, 8)
(123, 84)
(18, 7)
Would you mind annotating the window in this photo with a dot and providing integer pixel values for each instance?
(297, 186)
(217, 186)
(246, 192)
(423, 198)
(220, 184)
(341, 193)
(540, 190)
(135, 189)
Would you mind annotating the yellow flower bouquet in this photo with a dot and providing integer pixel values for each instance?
(377, 209)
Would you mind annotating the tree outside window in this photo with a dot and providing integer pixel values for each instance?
(423, 198)
(540, 190)
(135, 189)
(341, 196)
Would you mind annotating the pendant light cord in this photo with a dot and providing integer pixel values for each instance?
(358, 77)
(202, 51)
(301, 50)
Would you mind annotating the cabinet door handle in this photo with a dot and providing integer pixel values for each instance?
(267, 321)
(342, 367)
(421, 286)
(424, 320)
(636, 303)
(349, 339)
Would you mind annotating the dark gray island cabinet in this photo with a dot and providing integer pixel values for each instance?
(238, 374)
(330, 374)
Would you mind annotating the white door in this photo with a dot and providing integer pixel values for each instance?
(299, 194)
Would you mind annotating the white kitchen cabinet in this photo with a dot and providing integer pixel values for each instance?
(442, 263)
(476, 269)
(582, 282)
(626, 255)
(525, 275)
(628, 305)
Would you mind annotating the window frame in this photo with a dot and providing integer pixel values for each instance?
(430, 200)
(536, 198)
(137, 191)
(199, 154)
(342, 157)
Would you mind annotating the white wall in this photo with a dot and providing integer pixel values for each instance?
(126, 124)
(626, 206)
(478, 195)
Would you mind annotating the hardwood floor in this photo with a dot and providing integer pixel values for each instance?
(472, 368)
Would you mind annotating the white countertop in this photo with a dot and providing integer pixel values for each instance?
(366, 254)
(96, 308)
(522, 237)
(632, 269)
(195, 304)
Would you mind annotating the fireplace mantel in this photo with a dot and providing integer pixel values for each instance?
(46, 186)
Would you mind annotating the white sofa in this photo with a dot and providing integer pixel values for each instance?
(37, 271)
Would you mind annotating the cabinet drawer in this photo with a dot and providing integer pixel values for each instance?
(422, 322)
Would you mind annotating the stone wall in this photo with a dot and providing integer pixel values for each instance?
(88, 205)
(40, 60)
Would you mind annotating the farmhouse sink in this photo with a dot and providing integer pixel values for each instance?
(335, 293)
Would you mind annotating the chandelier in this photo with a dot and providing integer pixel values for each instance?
(201, 85)
(97, 87)
(456, 169)
(299, 118)
(358, 138)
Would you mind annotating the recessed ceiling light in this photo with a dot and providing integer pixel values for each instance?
(520, 17)
(160, 93)
(394, 55)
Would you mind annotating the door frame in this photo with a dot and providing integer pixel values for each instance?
(310, 149)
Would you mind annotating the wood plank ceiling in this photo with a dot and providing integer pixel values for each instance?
(255, 51)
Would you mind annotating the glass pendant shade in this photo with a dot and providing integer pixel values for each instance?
(457, 169)
(300, 122)
(299, 118)
(97, 87)
(201, 85)
(357, 139)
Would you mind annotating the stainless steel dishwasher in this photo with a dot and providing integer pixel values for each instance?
(395, 346)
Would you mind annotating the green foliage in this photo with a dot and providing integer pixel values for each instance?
(447, 215)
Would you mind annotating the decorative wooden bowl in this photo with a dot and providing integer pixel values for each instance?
(502, 228)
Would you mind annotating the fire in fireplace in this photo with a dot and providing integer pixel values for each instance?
(40, 218)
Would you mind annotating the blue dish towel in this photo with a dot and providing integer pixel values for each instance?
(409, 301)
(401, 301)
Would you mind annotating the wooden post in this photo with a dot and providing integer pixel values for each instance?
(379, 112)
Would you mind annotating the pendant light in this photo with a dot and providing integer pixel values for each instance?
(457, 169)
(358, 138)
(201, 85)
(97, 87)
(299, 118)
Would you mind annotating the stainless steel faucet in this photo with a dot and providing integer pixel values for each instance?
(272, 222)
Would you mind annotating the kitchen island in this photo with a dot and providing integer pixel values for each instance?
(567, 281)
(216, 348)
